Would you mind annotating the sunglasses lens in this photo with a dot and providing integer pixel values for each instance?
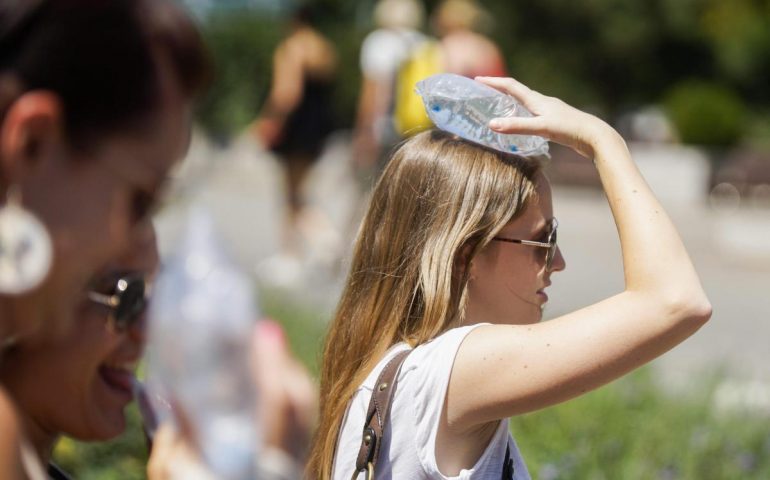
(131, 304)
(549, 256)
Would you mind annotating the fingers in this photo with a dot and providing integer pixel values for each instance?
(512, 87)
(173, 459)
(519, 125)
(527, 97)
(164, 444)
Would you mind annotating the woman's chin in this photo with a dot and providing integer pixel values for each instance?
(109, 427)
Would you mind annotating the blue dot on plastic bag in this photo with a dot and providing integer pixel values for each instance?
(436, 108)
(514, 148)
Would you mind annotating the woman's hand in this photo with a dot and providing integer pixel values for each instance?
(172, 458)
(553, 119)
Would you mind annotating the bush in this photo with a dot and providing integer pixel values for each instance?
(706, 114)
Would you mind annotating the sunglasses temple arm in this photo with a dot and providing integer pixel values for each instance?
(100, 298)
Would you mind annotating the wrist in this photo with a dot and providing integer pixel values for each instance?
(602, 136)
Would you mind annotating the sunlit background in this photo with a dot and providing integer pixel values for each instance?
(687, 82)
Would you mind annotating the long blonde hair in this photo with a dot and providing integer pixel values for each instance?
(439, 201)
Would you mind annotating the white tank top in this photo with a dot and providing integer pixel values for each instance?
(408, 448)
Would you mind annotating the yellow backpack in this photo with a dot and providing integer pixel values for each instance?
(409, 115)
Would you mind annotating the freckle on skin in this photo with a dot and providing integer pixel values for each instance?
(547, 344)
(525, 366)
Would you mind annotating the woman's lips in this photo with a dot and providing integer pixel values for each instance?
(543, 296)
(119, 378)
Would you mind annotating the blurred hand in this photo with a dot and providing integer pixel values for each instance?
(268, 131)
(553, 119)
(172, 457)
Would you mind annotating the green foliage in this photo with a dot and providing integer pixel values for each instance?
(241, 43)
(706, 114)
(123, 458)
(604, 55)
(305, 327)
(633, 430)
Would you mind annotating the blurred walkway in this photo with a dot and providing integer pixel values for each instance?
(242, 188)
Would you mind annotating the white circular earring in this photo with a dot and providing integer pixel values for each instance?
(26, 251)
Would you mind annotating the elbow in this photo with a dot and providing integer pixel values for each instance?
(692, 309)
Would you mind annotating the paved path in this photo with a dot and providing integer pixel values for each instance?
(243, 189)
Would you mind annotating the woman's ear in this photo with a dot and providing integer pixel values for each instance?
(463, 261)
(31, 131)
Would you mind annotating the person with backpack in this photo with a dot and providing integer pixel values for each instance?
(383, 53)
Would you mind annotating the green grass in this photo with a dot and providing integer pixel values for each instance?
(631, 429)
(628, 430)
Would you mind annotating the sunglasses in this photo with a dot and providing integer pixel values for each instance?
(550, 243)
(127, 301)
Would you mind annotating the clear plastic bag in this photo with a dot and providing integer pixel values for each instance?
(464, 107)
(201, 323)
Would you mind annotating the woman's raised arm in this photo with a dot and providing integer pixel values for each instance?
(504, 370)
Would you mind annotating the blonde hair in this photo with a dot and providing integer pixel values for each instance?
(439, 201)
(399, 14)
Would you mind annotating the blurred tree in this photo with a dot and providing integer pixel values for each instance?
(706, 114)
(241, 42)
(607, 56)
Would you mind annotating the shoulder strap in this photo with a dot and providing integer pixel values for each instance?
(377, 415)
(508, 471)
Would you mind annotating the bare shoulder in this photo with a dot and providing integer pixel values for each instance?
(10, 439)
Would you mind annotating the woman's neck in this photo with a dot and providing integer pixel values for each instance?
(41, 439)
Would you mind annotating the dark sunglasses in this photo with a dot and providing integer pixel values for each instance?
(127, 301)
(550, 243)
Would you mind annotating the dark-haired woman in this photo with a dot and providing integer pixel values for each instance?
(95, 104)
(79, 383)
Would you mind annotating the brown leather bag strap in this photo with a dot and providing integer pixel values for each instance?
(377, 416)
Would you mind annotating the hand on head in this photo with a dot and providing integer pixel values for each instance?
(553, 118)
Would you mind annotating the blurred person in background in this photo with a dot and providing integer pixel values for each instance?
(79, 384)
(286, 415)
(295, 122)
(95, 108)
(383, 52)
(465, 50)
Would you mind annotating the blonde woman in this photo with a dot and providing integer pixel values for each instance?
(452, 261)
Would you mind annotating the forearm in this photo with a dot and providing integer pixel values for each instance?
(655, 260)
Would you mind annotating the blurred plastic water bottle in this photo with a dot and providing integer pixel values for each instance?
(201, 324)
(464, 107)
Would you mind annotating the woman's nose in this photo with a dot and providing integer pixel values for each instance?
(559, 263)
(137, 330)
